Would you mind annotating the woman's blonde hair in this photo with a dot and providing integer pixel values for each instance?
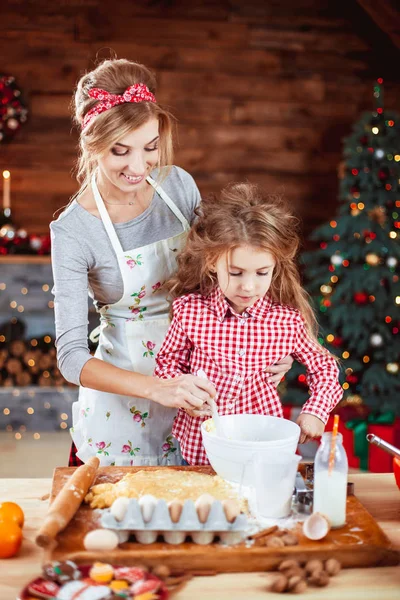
(115, 76)
(244, 215)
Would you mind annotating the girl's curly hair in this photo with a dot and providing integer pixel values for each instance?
(244, 215)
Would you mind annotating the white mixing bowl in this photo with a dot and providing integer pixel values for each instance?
(248, 435)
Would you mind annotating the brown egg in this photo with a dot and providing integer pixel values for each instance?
(231, 509)
(175, 510)
(203, 506)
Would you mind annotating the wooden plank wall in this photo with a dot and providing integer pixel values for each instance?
(263, 89)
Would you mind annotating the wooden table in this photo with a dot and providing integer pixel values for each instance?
(377, 492)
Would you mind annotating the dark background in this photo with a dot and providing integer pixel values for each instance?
(262, 90)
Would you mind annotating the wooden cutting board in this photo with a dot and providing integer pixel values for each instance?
(361, 543)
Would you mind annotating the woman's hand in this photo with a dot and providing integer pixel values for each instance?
(199, 412)
(185, 391)
(311, 427)
(278, 370)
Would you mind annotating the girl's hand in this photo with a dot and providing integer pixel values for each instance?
(185, 391)
(311, 427)
(279, 369)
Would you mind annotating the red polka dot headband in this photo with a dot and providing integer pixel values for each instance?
(139, 92)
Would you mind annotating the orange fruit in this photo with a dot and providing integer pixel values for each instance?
(10, 511)
(10, 539)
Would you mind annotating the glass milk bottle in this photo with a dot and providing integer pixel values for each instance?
(330, 489)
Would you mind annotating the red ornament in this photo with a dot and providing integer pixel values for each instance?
(338, 341)
(360, 298)
(302, 379)
(382, 174)
(46, 245)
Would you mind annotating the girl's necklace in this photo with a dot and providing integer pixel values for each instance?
(118, 204)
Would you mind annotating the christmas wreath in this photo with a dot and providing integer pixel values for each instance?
(13, 112)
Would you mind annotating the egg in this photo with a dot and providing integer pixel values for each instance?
(123, 535)
(231, 509)
(175, 510)
(203, 537)
(316, 526)
(101, 539)
(203, 506)
(147, 505)
(146, 537)
(174, 537)
(119, 507)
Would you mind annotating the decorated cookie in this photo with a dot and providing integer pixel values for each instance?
(83, 590)
(61, 572)
(119, 585)
(101, 572)
(131, 574)
(43, 589)
(143, 587)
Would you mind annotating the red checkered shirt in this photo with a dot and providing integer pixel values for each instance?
(234, 351)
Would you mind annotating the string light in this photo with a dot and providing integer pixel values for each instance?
(325, 289)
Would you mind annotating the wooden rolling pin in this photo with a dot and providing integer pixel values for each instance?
(67, 502)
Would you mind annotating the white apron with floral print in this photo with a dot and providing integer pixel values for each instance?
(122, 430)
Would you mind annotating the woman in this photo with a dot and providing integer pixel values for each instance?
(118, 240)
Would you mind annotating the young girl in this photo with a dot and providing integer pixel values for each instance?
(241, 309)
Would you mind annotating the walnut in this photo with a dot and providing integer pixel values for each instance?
(297, 584)
(161, 571)
(295, 571)
(332, 566)
(319, 578)
(289, 539)
(314, 566)
(288, 564)
(279, 584)
(275, 542)
(300, 588)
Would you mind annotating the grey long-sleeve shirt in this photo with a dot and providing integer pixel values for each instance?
(84, 262)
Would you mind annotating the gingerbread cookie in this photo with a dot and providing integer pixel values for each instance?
(61, 572)
(45, 590)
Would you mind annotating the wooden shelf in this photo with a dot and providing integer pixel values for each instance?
(24, 259)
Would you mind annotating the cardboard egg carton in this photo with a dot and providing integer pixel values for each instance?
(146, 528)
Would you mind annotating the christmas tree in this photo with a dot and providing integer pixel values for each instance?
(352, 276)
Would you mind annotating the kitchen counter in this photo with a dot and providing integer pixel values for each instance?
(378, 493)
